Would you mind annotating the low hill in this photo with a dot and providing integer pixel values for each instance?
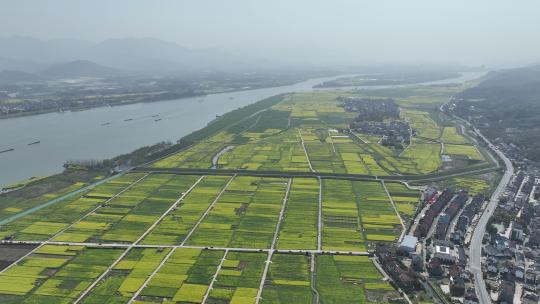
(138, 55)
(78, 68)
(507, 106)
(11, 77)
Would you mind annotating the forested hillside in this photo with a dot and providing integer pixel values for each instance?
(507, 105)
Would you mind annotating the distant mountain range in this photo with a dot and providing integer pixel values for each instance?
(78, 68)
(11, 76)
(62, 70)
(66, 57)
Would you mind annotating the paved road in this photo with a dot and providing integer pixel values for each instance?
(214, 278)
(344, 176)
(319, 217)
(263, 278)
(332, 142)
(416, 220)
(281, 213)
(239, 249)
(273, 246)
(305, 151)
(313, 284)
(475, 249)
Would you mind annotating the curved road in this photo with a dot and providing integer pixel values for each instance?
(475, 249)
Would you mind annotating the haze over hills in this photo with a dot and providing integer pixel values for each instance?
(488, 105)
(137, 55)
(78, 68)
(61, 70)
(11, 76)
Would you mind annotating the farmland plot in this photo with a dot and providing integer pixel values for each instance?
(427, 156)
(55, 274)
(406, 200)
(299, 225)
(450, 135)
(465, 150)
(344, 279)
(197, 156)
(245, 215)
(422, 123)
(174, 228)
(342, 229)
(288, 280)
(185, 277)
(45, 223)
(127, 217)
(126, 277)
(10, 207)
(239, 278)
(379, 219)
(281, 151)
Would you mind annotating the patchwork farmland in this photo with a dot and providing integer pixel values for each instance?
(309, 132)
(282, 205)
(146, 238)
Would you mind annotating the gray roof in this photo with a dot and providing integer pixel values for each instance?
(409, 241)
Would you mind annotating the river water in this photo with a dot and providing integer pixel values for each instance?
(105, 132)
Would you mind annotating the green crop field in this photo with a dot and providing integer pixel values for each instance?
(299, 225)
(45, 223)
(245, 215)
(10, 206)
(379, 219)
(288, 280)
(238, 279)
(54, 274)
(306, 128)
(422, 123)
(175, 227)
(347, 279)
(127, 216)
(474, 184)
(342, 229)
(356, 212)
(406, 200)
(464, 150)
(127, 276)
(428, 155)
(184, 277)
(451, 136)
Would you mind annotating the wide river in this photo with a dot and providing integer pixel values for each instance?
(105, 132)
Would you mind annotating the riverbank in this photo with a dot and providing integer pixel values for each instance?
(92, 106)
(123, 102)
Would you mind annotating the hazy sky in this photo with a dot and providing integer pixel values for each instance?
(356, 31)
